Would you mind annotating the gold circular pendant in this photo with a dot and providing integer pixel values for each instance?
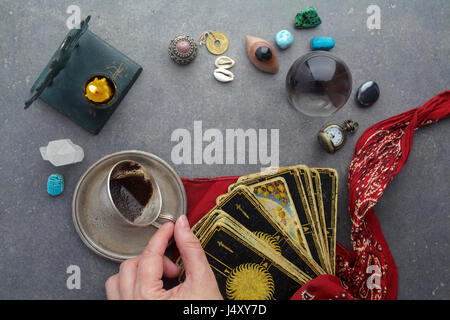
(217, 42)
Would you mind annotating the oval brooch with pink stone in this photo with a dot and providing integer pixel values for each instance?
(182, 49)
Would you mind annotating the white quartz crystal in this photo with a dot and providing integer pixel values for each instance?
(62, 152)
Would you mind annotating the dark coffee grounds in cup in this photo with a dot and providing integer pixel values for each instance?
(131, 189)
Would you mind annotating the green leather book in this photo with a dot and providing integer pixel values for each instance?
(81, 56)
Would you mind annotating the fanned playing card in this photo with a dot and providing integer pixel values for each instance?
(306, 181)
(275, 197)
(317, 191)
(262, 242)
(329, 191)
(300, 201)
(246, 271)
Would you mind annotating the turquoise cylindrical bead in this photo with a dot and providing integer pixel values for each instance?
(322, 43)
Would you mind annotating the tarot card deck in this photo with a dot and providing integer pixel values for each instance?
(272, 232)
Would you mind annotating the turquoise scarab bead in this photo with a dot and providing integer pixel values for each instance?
(322, 43)
(55, 184)
(284, 39)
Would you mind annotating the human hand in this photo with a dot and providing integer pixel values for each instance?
(141, 277)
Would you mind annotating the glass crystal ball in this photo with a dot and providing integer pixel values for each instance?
(318, 84)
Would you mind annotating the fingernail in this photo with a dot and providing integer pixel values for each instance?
(183, 221)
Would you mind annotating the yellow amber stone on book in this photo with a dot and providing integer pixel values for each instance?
(99, 90)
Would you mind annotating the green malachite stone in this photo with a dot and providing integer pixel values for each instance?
(307, 18)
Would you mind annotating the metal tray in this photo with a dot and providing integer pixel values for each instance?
(94, 224)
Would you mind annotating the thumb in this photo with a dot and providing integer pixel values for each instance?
(191, 251)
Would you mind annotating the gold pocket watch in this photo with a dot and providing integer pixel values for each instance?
(332, 136)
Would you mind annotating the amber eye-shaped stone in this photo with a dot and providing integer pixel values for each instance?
(262, 54)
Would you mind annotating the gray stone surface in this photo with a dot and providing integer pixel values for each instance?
(408, 57)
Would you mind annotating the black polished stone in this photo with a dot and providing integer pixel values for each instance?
(368, 93)
(263, 53)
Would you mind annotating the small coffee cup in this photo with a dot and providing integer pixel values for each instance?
(133, 195)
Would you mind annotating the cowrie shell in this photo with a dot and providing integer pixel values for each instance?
(223, 75)
(224, 62)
